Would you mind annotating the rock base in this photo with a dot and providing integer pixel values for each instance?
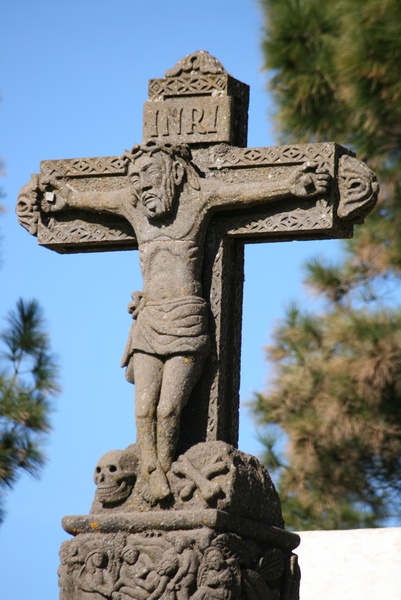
(203, 546)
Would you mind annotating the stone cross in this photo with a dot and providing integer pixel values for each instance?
(189, 198)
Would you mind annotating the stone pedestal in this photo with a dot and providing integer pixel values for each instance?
(220, 535)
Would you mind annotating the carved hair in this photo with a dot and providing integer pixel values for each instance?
(176, 152)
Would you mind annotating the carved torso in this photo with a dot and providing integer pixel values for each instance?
(171, 249)
(170, 268)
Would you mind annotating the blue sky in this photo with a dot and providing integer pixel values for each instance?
(73, 82)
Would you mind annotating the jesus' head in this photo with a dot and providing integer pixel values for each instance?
(157, 174)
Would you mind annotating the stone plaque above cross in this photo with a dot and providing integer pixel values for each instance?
(188, 198)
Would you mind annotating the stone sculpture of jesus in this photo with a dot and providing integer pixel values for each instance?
(169, 204)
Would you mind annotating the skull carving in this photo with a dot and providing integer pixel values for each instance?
(115, 476)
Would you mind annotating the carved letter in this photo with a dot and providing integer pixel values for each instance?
(213, 119)
(196, 125)
(173, 118)
(154, 130)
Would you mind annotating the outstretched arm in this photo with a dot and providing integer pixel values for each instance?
(304, 181)
(59, 195)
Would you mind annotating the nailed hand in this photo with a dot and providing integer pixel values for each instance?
(308, 180)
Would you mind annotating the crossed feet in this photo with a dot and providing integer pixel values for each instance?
(157, 484)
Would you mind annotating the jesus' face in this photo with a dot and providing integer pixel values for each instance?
(152, 180)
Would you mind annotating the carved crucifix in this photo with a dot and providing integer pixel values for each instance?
(188, 198)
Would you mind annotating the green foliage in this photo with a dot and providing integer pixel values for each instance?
(336, 394)
(336, 70)
(28, 382)
(337, 397)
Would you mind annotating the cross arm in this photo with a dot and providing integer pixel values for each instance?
(317, 189)
(78, 205)
(307, 179)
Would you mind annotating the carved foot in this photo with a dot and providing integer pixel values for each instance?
(153, 485)
(158, 485)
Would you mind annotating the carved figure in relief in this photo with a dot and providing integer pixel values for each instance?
(166, 569)
(137, 578)
(184, 581)
(215, 578)
(70, 565)
(169, 205)
(95, 576)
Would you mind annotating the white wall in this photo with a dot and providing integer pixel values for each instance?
(362, 564)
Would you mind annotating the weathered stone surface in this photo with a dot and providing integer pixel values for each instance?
(182, 513)
(220, 535)
(169, 205)
(241, 196)
(115, 476)
(197, 103)
(83, 231)
(197, 564)
(209, 475)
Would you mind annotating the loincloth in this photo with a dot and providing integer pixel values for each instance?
(171, 326)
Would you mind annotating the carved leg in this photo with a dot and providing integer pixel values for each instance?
(179, 377)
(167, 437)
(148, 377)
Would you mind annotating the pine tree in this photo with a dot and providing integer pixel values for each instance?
(337, 391)
(28, 382)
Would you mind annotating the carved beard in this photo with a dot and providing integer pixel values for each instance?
(157, 206)
(160, 204)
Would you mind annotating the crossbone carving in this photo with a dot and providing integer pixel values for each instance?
(208, 489)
